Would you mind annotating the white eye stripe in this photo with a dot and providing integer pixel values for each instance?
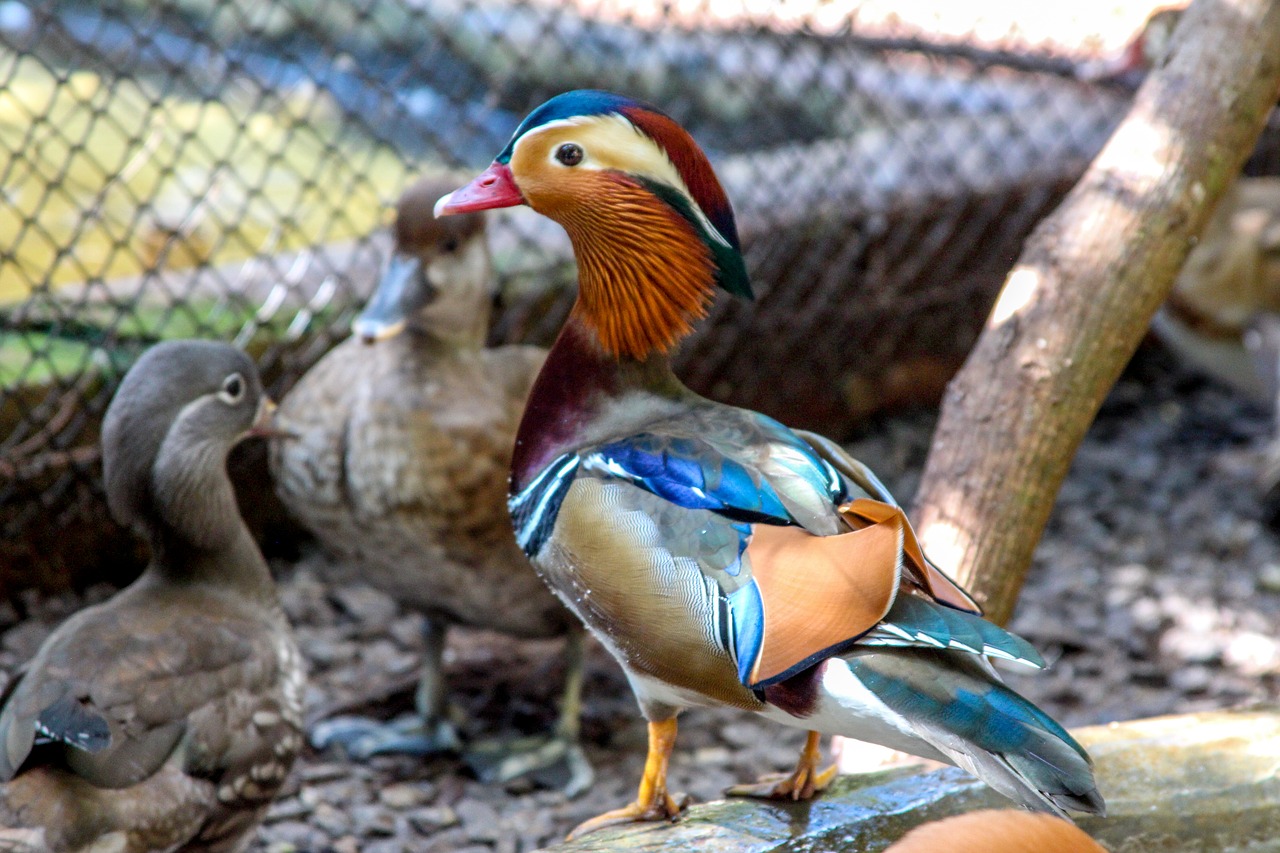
(612, 141)
(232, 390)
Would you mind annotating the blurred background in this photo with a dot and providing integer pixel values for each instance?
(223, 168)
(226, 169)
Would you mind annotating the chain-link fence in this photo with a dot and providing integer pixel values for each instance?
(221, 168)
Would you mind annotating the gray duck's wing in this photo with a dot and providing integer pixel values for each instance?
(115, 690)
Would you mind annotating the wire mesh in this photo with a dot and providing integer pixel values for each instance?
(220, 168)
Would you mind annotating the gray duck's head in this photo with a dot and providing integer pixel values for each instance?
(438, 279)
(165, 439)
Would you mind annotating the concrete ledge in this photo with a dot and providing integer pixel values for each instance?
(1197, 782)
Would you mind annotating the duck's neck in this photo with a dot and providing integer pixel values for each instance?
(460, 313)
(577, 383)
(438, 335)
(645, 276)
(235, 562)
(459, 319)
(197, 534)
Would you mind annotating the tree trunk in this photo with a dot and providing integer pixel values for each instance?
(1078, 302)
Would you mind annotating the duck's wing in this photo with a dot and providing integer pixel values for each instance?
(861, 478)
(113, 692)
(805, 565)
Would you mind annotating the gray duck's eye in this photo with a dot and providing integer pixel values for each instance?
(570, 154)
(232, 389)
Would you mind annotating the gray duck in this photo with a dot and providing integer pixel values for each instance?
(404, 434)
(167, 717)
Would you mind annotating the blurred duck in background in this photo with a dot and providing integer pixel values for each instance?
(1222, 317)
(404, 437)
(1230, 279)
(169, 716)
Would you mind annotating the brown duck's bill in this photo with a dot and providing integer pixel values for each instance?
(493, 188)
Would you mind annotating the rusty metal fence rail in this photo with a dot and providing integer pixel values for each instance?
(222, 168)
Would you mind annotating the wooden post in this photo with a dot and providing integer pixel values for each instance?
(1078, 302)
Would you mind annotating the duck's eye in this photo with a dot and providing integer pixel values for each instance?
(232, 389)
(449, 245)
(570, 154)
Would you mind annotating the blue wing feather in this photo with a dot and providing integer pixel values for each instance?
(696, 473)
(699, 474)
(747, 611)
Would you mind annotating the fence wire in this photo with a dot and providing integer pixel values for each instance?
(221, 168)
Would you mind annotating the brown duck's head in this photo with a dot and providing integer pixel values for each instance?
(650, 224)
(166, 435)
(438, 278)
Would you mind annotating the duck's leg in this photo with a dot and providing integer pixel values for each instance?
(653, 802)
(554, 760)
(800, 784)
(425, 732)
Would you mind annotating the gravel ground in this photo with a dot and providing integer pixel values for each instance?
(1155, 590)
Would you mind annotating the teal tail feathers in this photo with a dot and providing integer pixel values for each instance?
(983, 726)
(915, 621)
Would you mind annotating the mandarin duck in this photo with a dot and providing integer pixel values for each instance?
(997, 831)
(168, 716)
(721, 557)
(403, 439)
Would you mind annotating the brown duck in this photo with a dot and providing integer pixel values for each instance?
(167, 717)
(405, 434)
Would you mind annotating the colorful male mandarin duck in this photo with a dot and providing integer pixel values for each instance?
(169, 716)
(723, 558)
(403, 440)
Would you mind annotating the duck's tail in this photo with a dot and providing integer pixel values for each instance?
(954, 703)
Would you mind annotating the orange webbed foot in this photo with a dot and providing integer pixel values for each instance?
(800, 784)
(652, 803)
(665, 808)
